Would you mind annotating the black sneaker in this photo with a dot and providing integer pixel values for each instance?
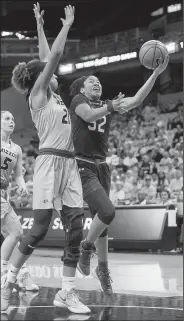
(103, 276)
(87, 251)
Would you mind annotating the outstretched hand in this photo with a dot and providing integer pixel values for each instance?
(162, 65)
(38, 15)
(69, 15)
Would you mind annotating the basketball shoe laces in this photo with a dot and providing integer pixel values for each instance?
(104, 276)
(88, 254)
(72, 296)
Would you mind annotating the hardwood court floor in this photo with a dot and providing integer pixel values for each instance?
(146, 287)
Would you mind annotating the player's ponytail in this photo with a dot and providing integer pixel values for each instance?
(24, 75)
(77, 85)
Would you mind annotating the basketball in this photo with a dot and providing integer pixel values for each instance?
(151, 52)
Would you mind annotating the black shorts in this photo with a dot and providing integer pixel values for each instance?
(95, 177)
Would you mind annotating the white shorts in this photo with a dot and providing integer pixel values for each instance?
(7, 215)
(56, 182)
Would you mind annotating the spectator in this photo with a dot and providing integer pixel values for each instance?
(165, 197)
(134, 191)
(164, 162)
(127, 187)
(177, 155)
(178, 134)
(171, 171)
(141, 198)
(162, 182)
(129, 177)
(156, 156)
(130, 160)
(176, 183)
(145, 166)
(155, 180)
(179, 145)
(117, 194)
(149, 189)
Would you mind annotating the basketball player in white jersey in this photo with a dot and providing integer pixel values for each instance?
(56, 182)
(11, 229)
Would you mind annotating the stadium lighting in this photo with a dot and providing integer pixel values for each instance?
(105, 60)
(6, 33)
(174, 7)
(171, 47)
(19, 35)
(65, 69)
(157, 12)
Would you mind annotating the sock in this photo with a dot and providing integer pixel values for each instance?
(103, 265)
(67, 283)
(87, 245)
(23, 269)
(24, 266)
(12, 274)
(4, 265)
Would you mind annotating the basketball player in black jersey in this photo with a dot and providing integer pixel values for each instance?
(91, 118)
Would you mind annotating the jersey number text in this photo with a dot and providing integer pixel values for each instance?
(5, 163)
(98, 125)
(66, 117)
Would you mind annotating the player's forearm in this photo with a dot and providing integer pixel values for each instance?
(44, 50)
(19, 180)
(59, 43)
(98, 113)
(145, 89)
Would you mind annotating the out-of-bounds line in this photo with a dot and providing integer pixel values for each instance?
(105, 306)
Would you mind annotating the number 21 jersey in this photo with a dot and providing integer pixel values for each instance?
(90, 139)
(53, 124)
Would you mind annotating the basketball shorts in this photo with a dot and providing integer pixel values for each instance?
(95, 178)
(7, 213)
(56, 182)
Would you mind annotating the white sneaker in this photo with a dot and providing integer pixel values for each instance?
(6, 291)
(70, 300)
(25, 282)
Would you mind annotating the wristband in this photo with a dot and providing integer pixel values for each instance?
(110, 107)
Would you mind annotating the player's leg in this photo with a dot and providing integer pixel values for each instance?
(43, 190)
(97, 199)
(101, 272)
(11, 229)
(72, 219)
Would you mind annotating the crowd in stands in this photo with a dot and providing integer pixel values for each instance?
(145, 155)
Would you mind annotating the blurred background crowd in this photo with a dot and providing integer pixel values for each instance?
(145, 155)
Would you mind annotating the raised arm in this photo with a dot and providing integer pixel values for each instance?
(132, 102)
(42, 83)
(44, 50)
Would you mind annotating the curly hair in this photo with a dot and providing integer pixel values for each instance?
(77, 85)
(24, 75)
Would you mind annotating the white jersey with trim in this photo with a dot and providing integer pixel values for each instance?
(9, 155)
(53, 124)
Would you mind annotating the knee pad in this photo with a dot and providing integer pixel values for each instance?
(38, 231)
(73, 237)
(108, 217)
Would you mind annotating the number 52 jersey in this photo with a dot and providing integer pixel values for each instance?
(90, 139)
